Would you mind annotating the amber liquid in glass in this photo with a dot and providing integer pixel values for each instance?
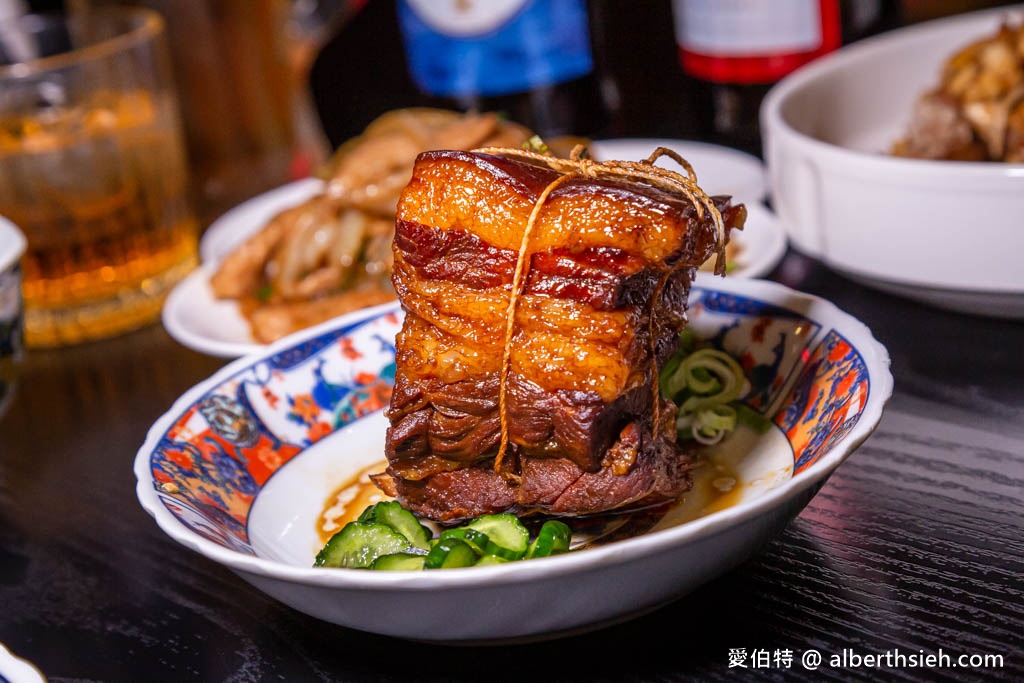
(101, 193)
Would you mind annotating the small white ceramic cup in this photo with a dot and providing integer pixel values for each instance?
(12, 317)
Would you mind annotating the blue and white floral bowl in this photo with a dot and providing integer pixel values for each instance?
(242, 466)
(12, 315)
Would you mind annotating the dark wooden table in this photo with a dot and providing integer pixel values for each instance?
(915, 544)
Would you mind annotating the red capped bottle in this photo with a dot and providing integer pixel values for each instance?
(740, 48)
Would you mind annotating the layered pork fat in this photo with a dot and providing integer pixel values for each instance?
(604, 294)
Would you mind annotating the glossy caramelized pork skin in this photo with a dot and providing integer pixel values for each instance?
(602, 303)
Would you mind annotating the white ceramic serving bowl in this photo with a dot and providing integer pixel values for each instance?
(949, 233)
(242, 464)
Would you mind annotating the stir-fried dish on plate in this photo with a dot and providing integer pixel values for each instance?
(332, 254)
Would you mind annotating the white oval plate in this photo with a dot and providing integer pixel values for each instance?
(196, 319)
(242, 464)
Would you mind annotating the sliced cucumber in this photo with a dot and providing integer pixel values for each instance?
(450, 552)
(477, 540)
(506, 535)
(399, 562)
(552, 539)
(389, 537)
(391, 513)
(358, 544)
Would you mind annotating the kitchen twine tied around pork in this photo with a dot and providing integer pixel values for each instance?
(580, 165)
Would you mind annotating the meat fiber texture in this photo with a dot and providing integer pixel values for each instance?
(600, 309)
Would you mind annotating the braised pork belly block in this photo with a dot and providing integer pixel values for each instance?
(537, 392)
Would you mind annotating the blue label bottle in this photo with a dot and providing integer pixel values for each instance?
(529, 59)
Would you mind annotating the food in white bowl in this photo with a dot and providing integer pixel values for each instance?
(243, 466)
(944, 232)
(976, 112)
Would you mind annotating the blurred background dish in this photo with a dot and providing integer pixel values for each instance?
(200, 321)
(947, 233)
